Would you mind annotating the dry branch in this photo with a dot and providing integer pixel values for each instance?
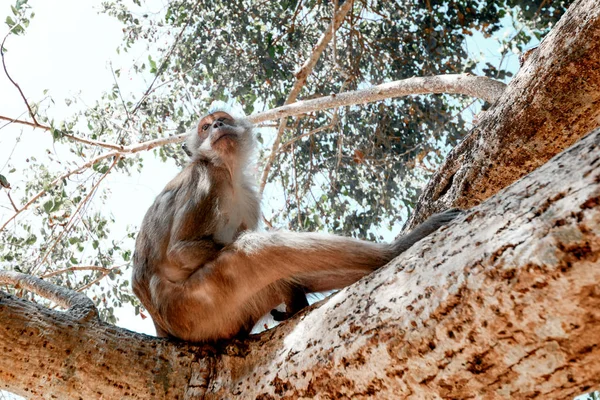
(78, 305)
(15, 84)
(476, 86)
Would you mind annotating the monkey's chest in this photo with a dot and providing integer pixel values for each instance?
(235, 214)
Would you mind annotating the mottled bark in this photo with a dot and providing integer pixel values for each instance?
(552, 102)
(503, 303)
(52, 354)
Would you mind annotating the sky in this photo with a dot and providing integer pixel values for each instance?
(67, 50)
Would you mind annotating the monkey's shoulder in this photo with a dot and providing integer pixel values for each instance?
(191, 175)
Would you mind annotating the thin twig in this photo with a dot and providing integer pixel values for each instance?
(313, 132)
(104, 274)
(77, 268)
(164, 61)
(119, 90)
(31, 114)
(70, 137)
(11, 201)
(71, 223)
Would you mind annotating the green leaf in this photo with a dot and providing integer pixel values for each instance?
(31, 240)
(10, 22)
(4, 182)
(152, 65)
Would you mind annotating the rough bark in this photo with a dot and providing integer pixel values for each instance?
(503, 303)
(552, 102)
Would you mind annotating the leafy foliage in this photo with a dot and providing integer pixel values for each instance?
(351, 170)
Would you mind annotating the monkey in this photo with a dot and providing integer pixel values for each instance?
(296, 299)
(203, 270)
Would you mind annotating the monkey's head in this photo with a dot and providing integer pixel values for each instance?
(221, 138)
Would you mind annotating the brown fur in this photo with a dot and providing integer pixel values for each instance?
(201, 269)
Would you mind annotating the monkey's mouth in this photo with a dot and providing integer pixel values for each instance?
(224, 134)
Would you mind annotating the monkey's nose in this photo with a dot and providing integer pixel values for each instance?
(218, 124)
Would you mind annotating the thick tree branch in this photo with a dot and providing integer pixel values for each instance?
(502, 303)
(301, 76)
(77, 304)
(550, 103)
(104, 355)
(467, 84)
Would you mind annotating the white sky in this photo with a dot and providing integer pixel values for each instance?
(67, 50)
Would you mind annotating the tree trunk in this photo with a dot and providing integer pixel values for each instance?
(503, 303)
(551, 103)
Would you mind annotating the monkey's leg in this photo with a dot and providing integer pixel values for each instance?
(296, 301)
(227, 294)
(241, 284)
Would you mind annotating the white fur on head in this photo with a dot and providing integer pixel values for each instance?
(246, 143)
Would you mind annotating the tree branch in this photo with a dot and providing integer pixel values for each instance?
(31, 113)
(551, 102)
(78, 268)
(77, 304)
(301, 77)
(70, 137)
(475, 86)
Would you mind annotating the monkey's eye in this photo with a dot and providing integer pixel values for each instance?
(205, 127)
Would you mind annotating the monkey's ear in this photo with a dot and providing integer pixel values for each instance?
(185, 148)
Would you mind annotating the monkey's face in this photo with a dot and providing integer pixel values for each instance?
(220, 137)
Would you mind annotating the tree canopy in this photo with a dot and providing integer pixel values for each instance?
(348, 170)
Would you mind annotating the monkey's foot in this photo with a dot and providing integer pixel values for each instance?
(279, 315)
